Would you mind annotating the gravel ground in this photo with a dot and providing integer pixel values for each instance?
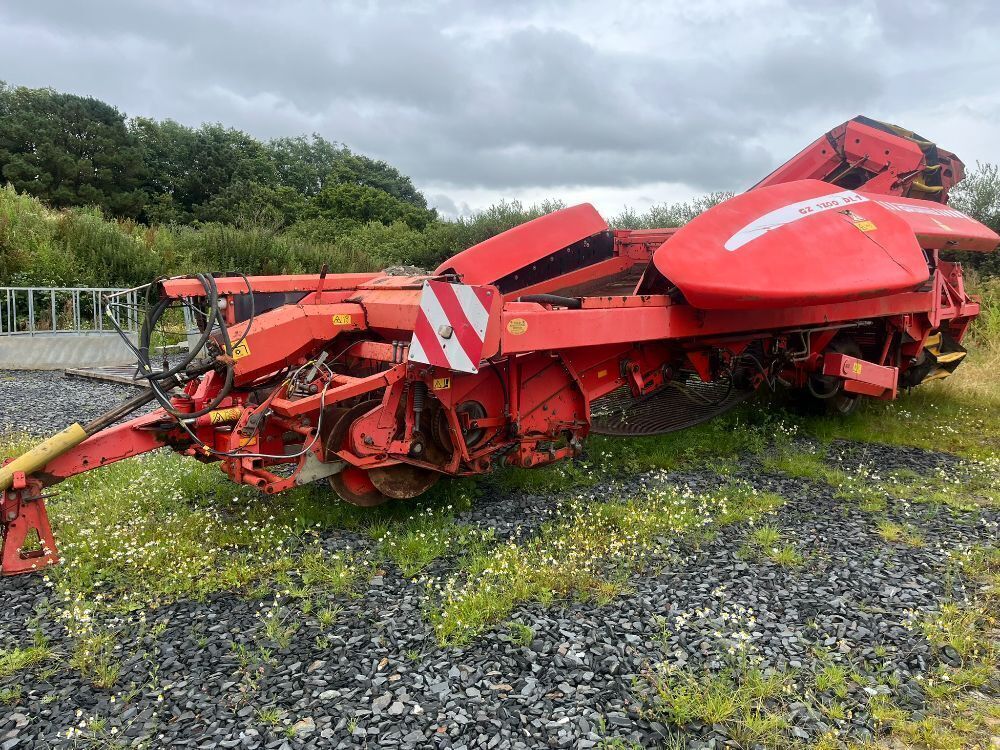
(377, 679)
(41, 402)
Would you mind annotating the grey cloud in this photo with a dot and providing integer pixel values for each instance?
(521, 95)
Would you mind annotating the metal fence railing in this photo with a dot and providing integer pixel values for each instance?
(31, 311)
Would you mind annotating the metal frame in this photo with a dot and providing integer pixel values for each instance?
(37, 305)
(576, 312)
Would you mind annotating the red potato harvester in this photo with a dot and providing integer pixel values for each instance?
(824, 277)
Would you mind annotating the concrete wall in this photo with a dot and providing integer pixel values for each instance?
(61, 350)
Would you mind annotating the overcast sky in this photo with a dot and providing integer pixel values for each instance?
(627, 103)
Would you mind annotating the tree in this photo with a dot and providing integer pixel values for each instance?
(354, 169)
(187, 168)
(251, 204)
(340, 208)
(304, 164)
(978, 195)
(69, 151)
(664, 215)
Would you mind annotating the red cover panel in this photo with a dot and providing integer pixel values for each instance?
(524, 244)
(798, 243)
(940, 227)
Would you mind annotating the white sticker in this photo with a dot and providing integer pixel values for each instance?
(794, 212)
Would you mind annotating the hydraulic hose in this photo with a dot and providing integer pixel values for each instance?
(573, 303)
(156, 378)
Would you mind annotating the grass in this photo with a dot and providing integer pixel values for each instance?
(766, 541)
(521, 634)
(94, 656)
(279, 627)
(967, 486)
(427, 535)
(269, 716)
(747, 703)
(960, 710)
(901, 533)
(586, 552)
(833, 678)
(746, 429)
(18, 659)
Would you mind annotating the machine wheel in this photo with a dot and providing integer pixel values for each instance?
(844, 404)
(373, 487)
(840, 403)
(353, 485)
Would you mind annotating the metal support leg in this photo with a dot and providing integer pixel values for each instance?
(23, 511)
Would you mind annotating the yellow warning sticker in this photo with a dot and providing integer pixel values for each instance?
(602, 373)
(220, 416)
(241, 350)
(441, 384)
(517, 326)
(865, 225)
(857, 368)
(342, 320)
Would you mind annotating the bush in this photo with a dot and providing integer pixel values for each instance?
(25, 235)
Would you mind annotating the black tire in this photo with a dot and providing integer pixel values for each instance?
(832, 399)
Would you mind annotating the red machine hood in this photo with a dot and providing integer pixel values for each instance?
(798, 243)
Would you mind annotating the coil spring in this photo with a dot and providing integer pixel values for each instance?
(419, 400)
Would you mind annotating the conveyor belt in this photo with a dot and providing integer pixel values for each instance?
(675, 407)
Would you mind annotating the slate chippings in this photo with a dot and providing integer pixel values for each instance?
(203, 674)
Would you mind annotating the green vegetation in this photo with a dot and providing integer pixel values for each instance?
(427, 535)
(18, 659)
(165, 172)
(833, 678)
(902, 533)
(747, 703)
(133, 199)
(960, 710)
(521, 634)
(979, 195)
(766, 542)
(587, 551)
(747, 429)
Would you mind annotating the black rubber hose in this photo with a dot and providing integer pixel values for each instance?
(153, 317)
(572, 303)
(154, 378)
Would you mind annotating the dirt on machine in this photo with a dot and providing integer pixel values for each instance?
(825, 278)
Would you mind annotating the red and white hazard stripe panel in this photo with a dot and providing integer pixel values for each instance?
(450, 330)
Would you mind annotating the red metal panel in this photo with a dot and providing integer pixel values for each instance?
(525, 244)
(814, 162)
(576, 278)
(797, 243)
(263, 284)
(851, 368)
(940, 227)
(528, 327)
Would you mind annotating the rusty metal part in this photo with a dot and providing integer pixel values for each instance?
(402, 481)
(352, 484)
